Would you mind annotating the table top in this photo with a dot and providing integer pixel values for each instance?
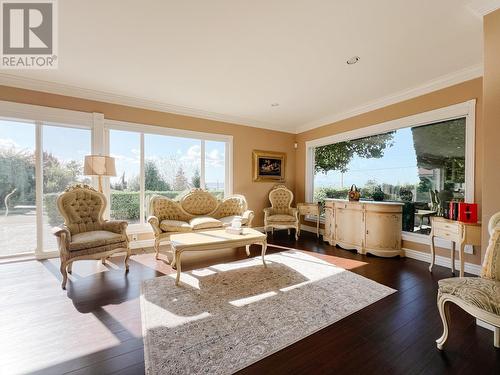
(440, 218)
(214, 237)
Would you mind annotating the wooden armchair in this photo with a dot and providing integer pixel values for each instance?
(85, 234)
(479, 296)
(281, 215)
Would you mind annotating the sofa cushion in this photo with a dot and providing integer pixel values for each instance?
(226, 221)
(175, 226)
(281, 218)
(204, 222)
(95, 238)
(476, 291)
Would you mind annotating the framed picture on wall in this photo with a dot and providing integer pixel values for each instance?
(269, 166)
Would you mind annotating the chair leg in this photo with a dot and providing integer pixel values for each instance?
(64, 273)
(103, 260)
(297, 232)
(70, 268)
(157, 248)
(444, 312)
(127, 257)
(496, 337)
(288, 231)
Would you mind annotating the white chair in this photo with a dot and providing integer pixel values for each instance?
(479, 296)
(281, 215)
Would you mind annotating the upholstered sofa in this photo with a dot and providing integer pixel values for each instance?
(195, 211)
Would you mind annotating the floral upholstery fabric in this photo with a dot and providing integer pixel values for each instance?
(491, 263)
(205, 222)
(281, 218)
(169, 216)
(199, 202)
(281, 198)
(175, 226)
(478, 292)
(231, 206)
(82, 209)
(94, 239)
(167, 209)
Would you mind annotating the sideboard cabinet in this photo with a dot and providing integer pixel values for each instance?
(366, 226)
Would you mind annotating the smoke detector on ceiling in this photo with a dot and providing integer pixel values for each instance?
(353, 60)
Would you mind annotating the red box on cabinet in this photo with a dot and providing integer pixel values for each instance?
(467, 212)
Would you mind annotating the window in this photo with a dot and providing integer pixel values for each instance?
(425, 165)
(125, 188)
(64, 149)
(18, 211)
(38, 160)
(162, 161)
(215, 156)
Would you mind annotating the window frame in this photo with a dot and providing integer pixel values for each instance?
(142, 129)
(465, 110)
(40, 116)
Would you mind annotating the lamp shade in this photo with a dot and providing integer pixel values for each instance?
(98, 165)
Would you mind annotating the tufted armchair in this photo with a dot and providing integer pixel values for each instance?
(85, 234)
(479, 296)
(281, 215)
(197, 210)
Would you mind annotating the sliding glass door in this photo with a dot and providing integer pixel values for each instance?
(64, 149)
(18, 211)
(37, 162)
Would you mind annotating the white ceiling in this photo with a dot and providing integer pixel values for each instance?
(230, 59)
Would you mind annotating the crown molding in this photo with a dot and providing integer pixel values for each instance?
(483, 8)
(114, 98)
(428, 87)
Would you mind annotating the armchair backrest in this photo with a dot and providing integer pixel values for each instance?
(82, 208)
(281, 198)
(491, 264)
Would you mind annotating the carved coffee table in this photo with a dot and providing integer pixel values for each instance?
(214, 240)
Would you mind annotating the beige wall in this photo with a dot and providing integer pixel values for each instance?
(248, 138)
(491, 110)
(245, 138)
(438, 99)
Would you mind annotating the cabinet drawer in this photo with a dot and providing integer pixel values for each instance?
(308, 210)
(446, 226)
(446, 234)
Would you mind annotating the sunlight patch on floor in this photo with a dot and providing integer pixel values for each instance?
(248, 300)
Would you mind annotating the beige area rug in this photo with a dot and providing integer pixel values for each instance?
(225, 317)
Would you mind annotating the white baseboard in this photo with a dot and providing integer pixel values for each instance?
(474, 269)
(309, 228)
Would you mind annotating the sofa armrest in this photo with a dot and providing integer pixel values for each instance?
(115, 226)
(155, 224)
(249, 215)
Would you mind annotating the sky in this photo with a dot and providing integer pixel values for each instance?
(169, 153)
(397, 166)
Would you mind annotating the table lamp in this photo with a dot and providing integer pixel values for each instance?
(99, 165)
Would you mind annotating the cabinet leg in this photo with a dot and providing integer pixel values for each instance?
(452, 257)
(461, 257)
(433, 253)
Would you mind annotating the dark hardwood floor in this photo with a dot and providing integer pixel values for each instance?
(95, 326)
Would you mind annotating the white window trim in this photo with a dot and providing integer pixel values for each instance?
(466, 109)
(142, 129)
(41, 116)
